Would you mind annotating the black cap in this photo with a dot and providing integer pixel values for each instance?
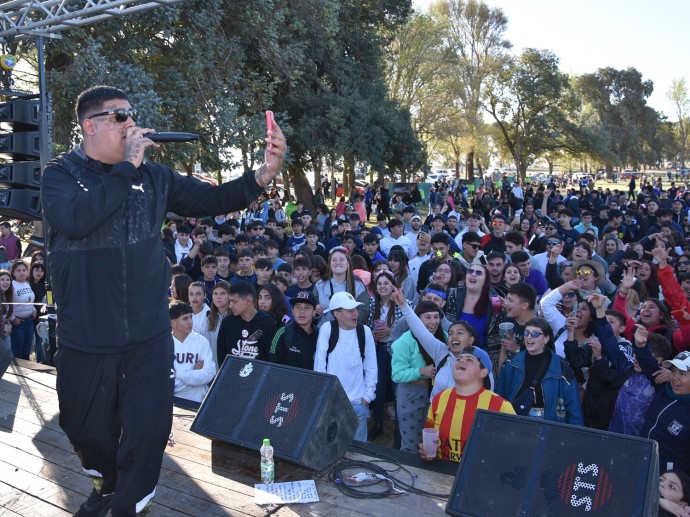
(304, 297)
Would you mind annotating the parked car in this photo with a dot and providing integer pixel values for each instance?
(627, 174)
(435, 176)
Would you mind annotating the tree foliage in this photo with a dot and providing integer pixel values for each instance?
(476, 51)
(678, 95)
(618, 98)
(214, 66)
(530, 104)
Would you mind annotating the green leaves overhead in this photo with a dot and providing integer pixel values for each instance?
(213, 67)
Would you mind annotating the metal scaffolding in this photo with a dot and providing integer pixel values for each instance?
(20, 19)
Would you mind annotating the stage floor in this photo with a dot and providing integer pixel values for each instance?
(41, 476)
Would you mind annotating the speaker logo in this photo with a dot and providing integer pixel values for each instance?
(585, 487)
(246, 370)
(282, 409)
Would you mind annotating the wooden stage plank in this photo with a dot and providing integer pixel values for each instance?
(40, 474)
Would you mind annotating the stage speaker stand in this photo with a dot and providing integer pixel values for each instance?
(515, 465)
(306, 415)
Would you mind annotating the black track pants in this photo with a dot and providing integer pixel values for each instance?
(116, 410)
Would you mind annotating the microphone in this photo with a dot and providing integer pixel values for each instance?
(172, 137)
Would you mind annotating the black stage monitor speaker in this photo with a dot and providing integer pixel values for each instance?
(306, 415)
(523, 466)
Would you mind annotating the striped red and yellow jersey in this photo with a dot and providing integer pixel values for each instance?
(453, 414)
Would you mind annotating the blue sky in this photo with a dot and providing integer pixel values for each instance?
(653, 37)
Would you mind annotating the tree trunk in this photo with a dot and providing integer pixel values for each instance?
(318, 167)
(286, 182)
(245, 160)
(469, 166)
(333, 196)
(349, 171)
(609, 171)
(521, 173)
(303, 191)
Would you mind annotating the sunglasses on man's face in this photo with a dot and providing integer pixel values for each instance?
(584, 272)
(473, 244)
(552, 243)
(121, 114)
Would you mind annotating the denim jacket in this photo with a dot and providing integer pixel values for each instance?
(560, 389)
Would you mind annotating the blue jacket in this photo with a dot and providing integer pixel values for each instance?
(561, 392)
(668, 422)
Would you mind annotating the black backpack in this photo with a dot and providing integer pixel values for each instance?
(335, 334)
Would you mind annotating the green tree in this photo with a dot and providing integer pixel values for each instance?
(213, 67)
(678, 95)
(530, 103)
(626, 122)
(414, 68)
(475, 52)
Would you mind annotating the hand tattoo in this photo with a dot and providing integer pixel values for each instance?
(263, 177)
(132, 151)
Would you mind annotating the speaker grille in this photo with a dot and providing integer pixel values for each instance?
(523, 466)
(249, 401)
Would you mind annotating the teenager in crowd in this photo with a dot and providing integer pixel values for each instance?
(295, 343)
(453, 409)
(537, 381)
(413, 370)
(194, 364)
(383, 315)
(352, 360)
(220, 300)
(340, 278)
(271, 300)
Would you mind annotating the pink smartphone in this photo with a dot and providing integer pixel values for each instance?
(270, 124)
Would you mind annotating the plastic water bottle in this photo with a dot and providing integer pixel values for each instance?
(267, 466)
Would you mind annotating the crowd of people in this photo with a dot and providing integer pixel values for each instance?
(572, 306)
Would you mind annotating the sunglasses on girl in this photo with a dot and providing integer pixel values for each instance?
(533, 334)
(476, 272)
(121, 114)
(584, 272)
(570, 294)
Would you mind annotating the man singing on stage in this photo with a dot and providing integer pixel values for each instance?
(103, 206)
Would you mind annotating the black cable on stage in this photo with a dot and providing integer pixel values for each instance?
(353, 485)
(8, 372)
(399, 465)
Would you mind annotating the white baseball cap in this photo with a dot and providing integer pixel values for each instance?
(681, 361)
(342, 300)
